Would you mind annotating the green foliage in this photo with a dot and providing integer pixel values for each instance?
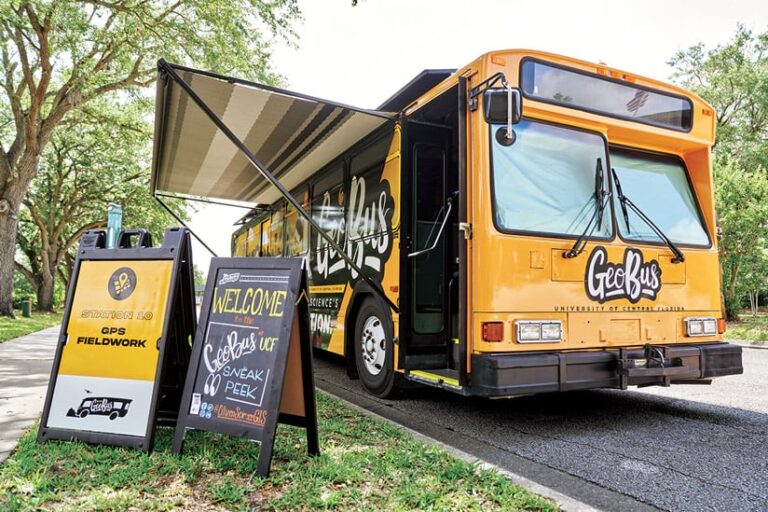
(59, 57)
(364, 465)
(750, 328)
(22, 289)
(199, 275)
(733, 77)
(104, 157)
(741, 196)
(14, 327)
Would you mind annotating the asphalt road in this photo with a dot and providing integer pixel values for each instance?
(685, 448)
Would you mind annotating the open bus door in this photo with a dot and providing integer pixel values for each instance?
(432, 313)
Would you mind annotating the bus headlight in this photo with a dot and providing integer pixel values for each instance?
(700, 326)
(533, 331)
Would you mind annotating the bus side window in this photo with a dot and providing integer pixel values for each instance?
(240, 245)
(276, 232)
(296, 227)
(252, 245)
(265, 249)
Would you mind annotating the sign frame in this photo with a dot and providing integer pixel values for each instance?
(294, 329)
(173, 348)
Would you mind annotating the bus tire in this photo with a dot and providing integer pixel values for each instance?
(374, 350)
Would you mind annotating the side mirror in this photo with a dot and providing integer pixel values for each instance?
(496, 105)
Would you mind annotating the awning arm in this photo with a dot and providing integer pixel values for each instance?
(180, 221)
(202, 200)
(165, 67)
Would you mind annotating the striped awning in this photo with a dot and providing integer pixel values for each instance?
(291, 134)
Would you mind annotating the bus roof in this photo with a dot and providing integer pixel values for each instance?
(419, 85)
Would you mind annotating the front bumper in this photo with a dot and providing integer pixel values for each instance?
(542, 372)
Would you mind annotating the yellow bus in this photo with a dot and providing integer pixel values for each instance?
(526, 223)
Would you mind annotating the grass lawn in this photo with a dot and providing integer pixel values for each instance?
(365, 464)
(10, 328)
(749, 328)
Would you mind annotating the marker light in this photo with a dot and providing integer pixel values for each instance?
(493, 331)
(539, 331)
(700, 326)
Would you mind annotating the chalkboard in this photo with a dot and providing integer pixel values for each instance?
(251, 358)
(123, 349)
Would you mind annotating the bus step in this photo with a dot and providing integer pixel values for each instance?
(443, 378)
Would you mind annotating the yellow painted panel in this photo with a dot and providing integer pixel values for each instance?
(117, 317)
(567, 269)
(671, 273)
(538, 260)
(624, 331)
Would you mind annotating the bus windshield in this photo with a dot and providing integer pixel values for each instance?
(545, 181)
(659, 187)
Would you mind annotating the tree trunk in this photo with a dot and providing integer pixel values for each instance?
(12, 193)
(731, 301)
(45, 291)
(9, 224)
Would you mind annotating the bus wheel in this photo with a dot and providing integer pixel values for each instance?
(374, 352)
(83, 413)
(113, 415)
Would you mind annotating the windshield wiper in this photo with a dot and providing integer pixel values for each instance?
(622, 198)
(625, 201)
(596, 221)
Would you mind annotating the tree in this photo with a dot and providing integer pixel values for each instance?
(733, 77)
(102, 159)
(57, 57)
(741, 196)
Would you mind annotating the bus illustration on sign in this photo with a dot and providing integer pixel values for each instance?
(526, 223)
(101, 406)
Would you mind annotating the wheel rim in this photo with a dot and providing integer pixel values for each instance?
(374, 345)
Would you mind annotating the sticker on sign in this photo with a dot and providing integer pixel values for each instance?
(195, 407)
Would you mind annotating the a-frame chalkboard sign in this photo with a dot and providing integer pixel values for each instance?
(124, 345)
(251, 361)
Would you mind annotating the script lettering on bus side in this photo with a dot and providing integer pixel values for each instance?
(365, 235)
(368, 227)
(328, 260)
(632, 279)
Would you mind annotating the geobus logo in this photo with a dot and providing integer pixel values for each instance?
(632, 279)
(121, 283)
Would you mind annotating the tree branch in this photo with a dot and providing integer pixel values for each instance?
(28, 275)
(69, 242)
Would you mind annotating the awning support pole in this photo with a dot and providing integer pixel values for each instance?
(164, 67)
(201, 200)
(185, 225)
